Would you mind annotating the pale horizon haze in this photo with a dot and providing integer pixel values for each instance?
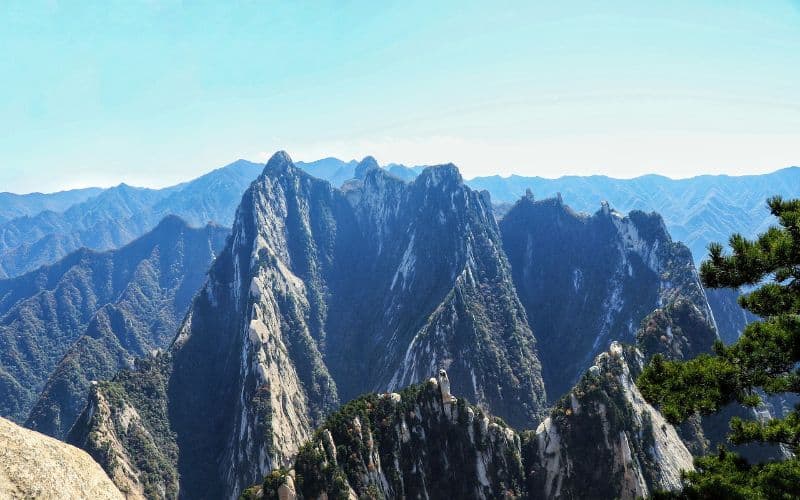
(152, 93)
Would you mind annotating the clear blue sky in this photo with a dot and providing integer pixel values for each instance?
(155, 92)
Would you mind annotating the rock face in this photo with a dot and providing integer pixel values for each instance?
(33, 465)
(440, 289)
(586, 281)
(86, 316)
(322, 294)
(601, 441)
(679, 330)
(413, 274)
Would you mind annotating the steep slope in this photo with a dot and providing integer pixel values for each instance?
(671, 331)
(602, 441)
(133, 297)
(119, 215)
(36, 466)
(251, 338)
(435, 291)
(413, 274)
(588, 280)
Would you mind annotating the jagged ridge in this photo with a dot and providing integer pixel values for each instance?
(588, 280)
(413, 272)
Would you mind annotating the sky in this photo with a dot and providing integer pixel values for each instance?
(152, 93)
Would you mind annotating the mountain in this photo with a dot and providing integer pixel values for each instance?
(412, 273)
(102, 222)
(323, 294)
(601, 441)
(587, 280)
(118, 215)
(14, 205)
(114, 304)
(696, 211)
(212, 197)
(36, 466)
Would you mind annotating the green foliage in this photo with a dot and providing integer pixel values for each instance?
(726, 475)
(252, 493)
(764, 358)
(269, 489)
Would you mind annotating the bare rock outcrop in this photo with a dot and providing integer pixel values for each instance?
(33, 465)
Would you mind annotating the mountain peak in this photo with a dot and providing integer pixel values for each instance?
(439, 174)
(279, 161)
(123, 188)
(364, 166)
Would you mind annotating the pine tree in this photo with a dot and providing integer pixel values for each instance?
(765, 358)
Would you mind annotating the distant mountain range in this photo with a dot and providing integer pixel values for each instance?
(38, 229)
(118, 215)
(19, 205)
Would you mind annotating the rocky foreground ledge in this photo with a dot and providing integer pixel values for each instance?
(33, 465)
